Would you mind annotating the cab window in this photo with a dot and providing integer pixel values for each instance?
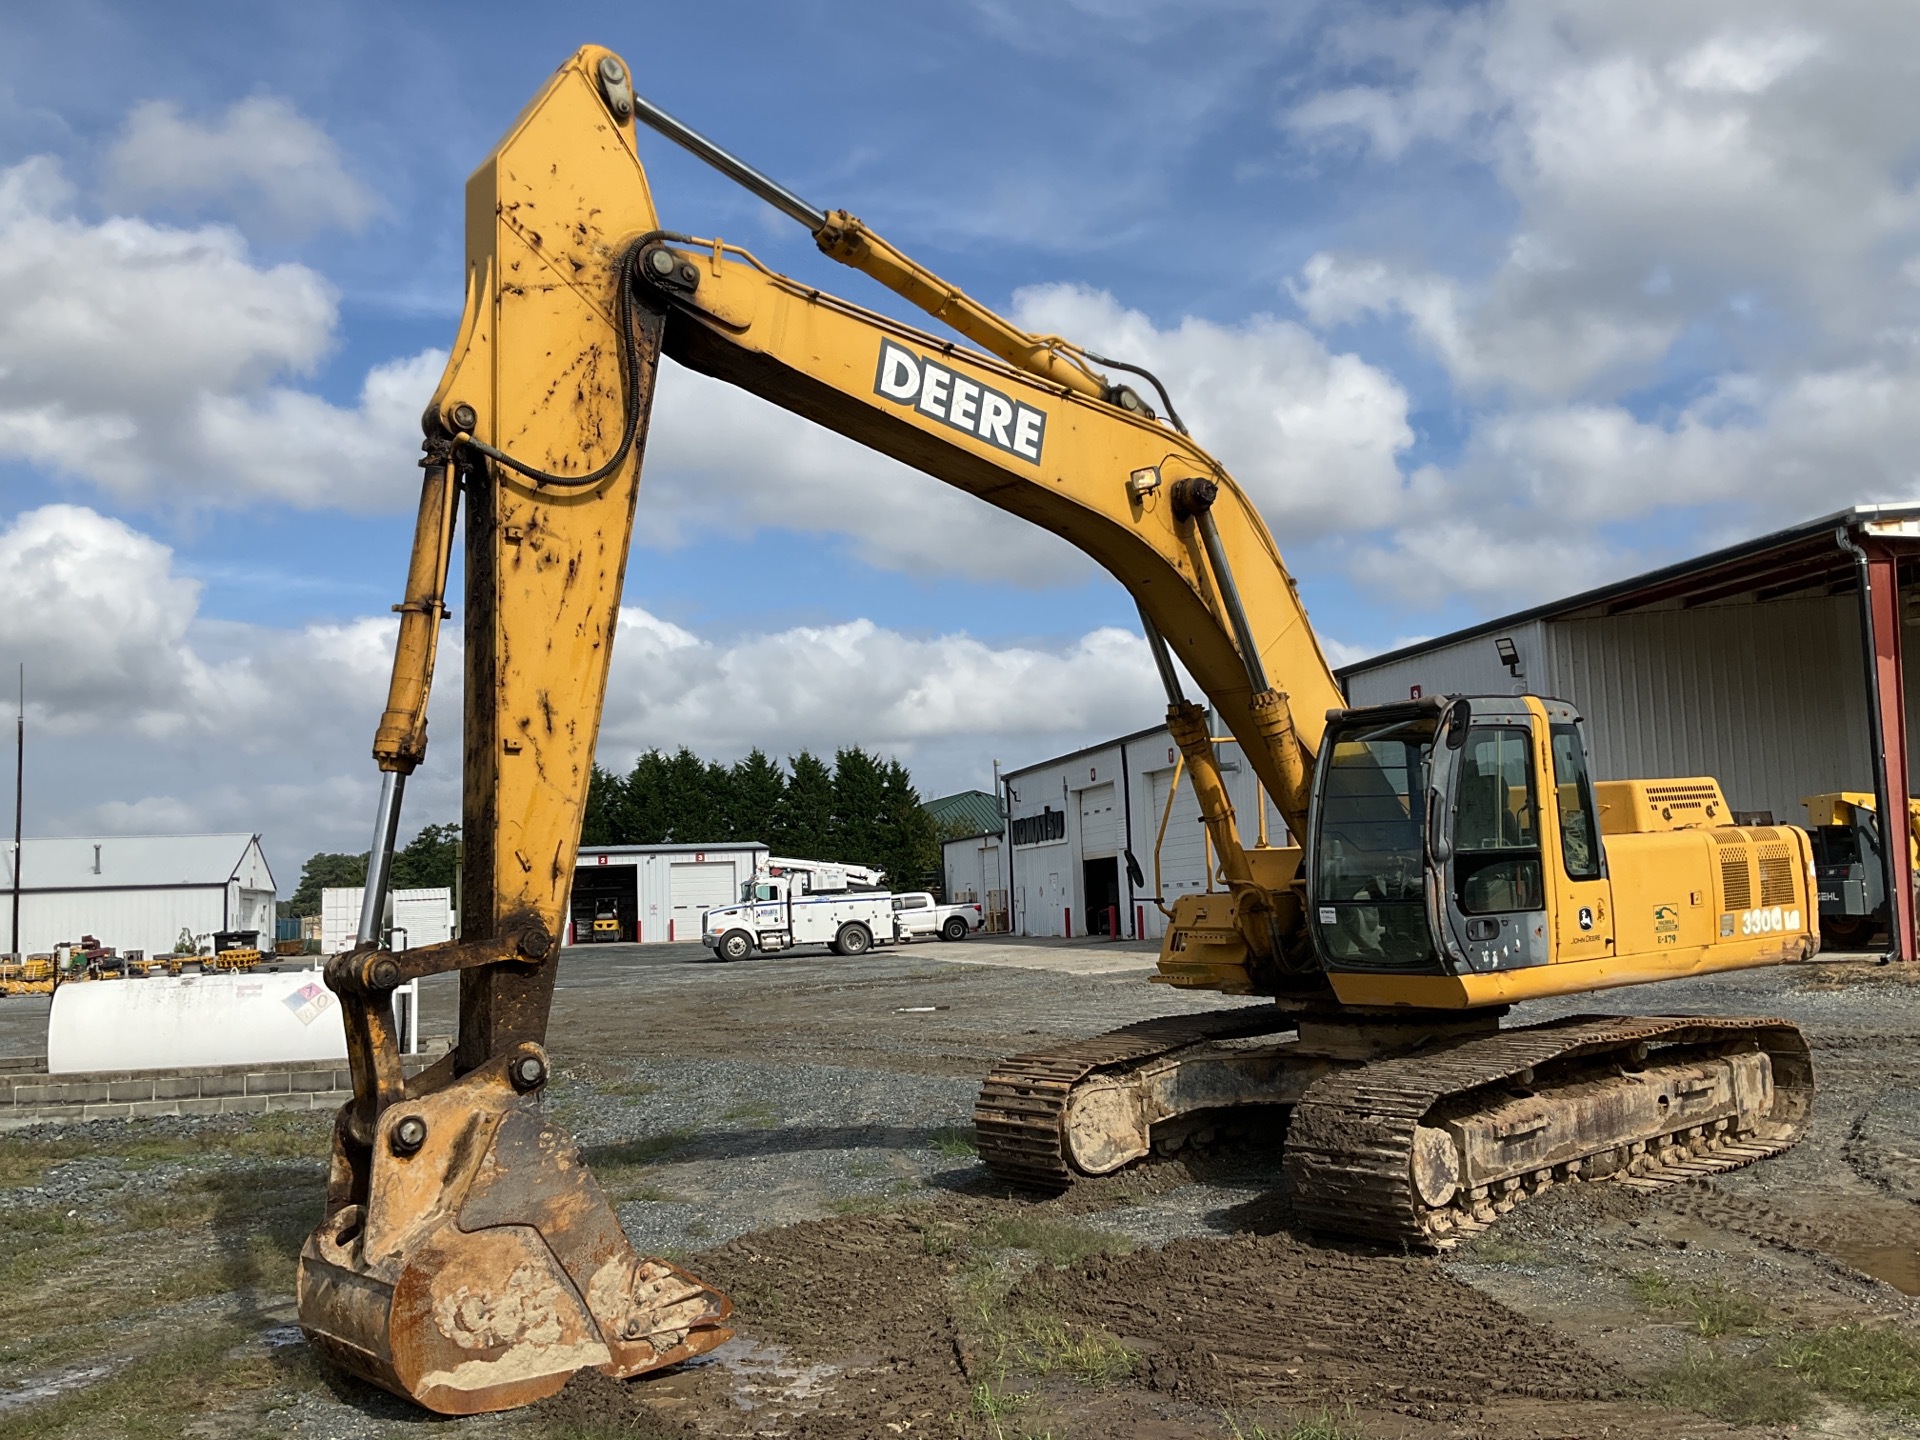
(1369, 873)
(763, 893)
(1496, 824)
(1579, 831)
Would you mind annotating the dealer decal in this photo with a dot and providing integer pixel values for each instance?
(962, 403)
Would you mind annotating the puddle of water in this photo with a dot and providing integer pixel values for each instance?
(758, 1375)
(45, 1387)
(1898, 1265)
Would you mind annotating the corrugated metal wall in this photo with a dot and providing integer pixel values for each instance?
(148, 920)
(1047, 879)
(1467, 667)
(1768, 699)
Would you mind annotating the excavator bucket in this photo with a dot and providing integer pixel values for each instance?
(485, 1266)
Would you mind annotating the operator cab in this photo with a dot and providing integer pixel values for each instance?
(1448, 832)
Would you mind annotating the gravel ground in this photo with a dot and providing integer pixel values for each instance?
(795, 1129)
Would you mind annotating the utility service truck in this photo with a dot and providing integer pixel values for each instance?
(803, 902)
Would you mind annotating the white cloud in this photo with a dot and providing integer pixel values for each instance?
(721, 462)
(145, 716)
(1703, 304)
(147, 359)
(862, 683)
(1725, 149)
(1312, 436)
(269, 164)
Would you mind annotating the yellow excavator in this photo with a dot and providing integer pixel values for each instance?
(1450, 856)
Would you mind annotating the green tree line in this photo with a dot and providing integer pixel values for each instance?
(862, 810)
(426, 862)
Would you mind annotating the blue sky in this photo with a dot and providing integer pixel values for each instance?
(1483, 303)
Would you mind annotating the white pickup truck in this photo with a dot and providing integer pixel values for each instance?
(792, 903)
(917, 916)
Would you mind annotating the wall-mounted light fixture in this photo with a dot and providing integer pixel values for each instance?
(1509, 656)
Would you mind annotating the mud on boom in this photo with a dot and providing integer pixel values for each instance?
(1455, 856)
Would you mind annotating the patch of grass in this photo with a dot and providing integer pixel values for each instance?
(936, 1237)
(1856, 1362)
(635, 1153)
(756, 1112)
(156, 1395)
(954, 1142)
(1710, 1310)
(626, 1089)
(1048, 1345)
(994, 1408)
(283, 1135)
(1058, 1242)
(644, 1193)
(23, 1160)
(1493, 1248)
(1324, 1425)
(1744, 1389)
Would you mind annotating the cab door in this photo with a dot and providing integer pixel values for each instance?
(1582, 899)
(1494, 876)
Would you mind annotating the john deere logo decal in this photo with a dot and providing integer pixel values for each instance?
(925, 385)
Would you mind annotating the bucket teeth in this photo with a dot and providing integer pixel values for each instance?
(484, 1266)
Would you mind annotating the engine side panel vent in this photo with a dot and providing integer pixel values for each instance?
(1776, 875)
(1736, 878)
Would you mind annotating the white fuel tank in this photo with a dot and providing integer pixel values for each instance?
(165, 1022)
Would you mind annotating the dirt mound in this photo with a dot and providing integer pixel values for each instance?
(1272, 1320)
(592, 1404)
(863, 1292)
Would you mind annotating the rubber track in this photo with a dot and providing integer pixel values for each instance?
(1349, 1145)
(1018, 1119)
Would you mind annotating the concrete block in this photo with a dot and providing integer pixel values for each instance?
(223, 1084)
(149, 1109)
(312, 1082)
(268, 1082)
(296, 1100)
(133, 1091)
(32, 1094)
(243, 1104)
(198, 1105)
(176, 1087)
(105, 1112)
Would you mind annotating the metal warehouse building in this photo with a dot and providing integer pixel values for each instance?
(1074, 821)
(1775, 666)
(658, 892)
(136, 892)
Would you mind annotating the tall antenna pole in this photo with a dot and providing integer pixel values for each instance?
(19, 790)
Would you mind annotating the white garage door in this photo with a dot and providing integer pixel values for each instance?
(1099, 823)
(695, 888)
(1183, 857)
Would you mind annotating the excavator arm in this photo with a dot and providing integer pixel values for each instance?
(467, 1259)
